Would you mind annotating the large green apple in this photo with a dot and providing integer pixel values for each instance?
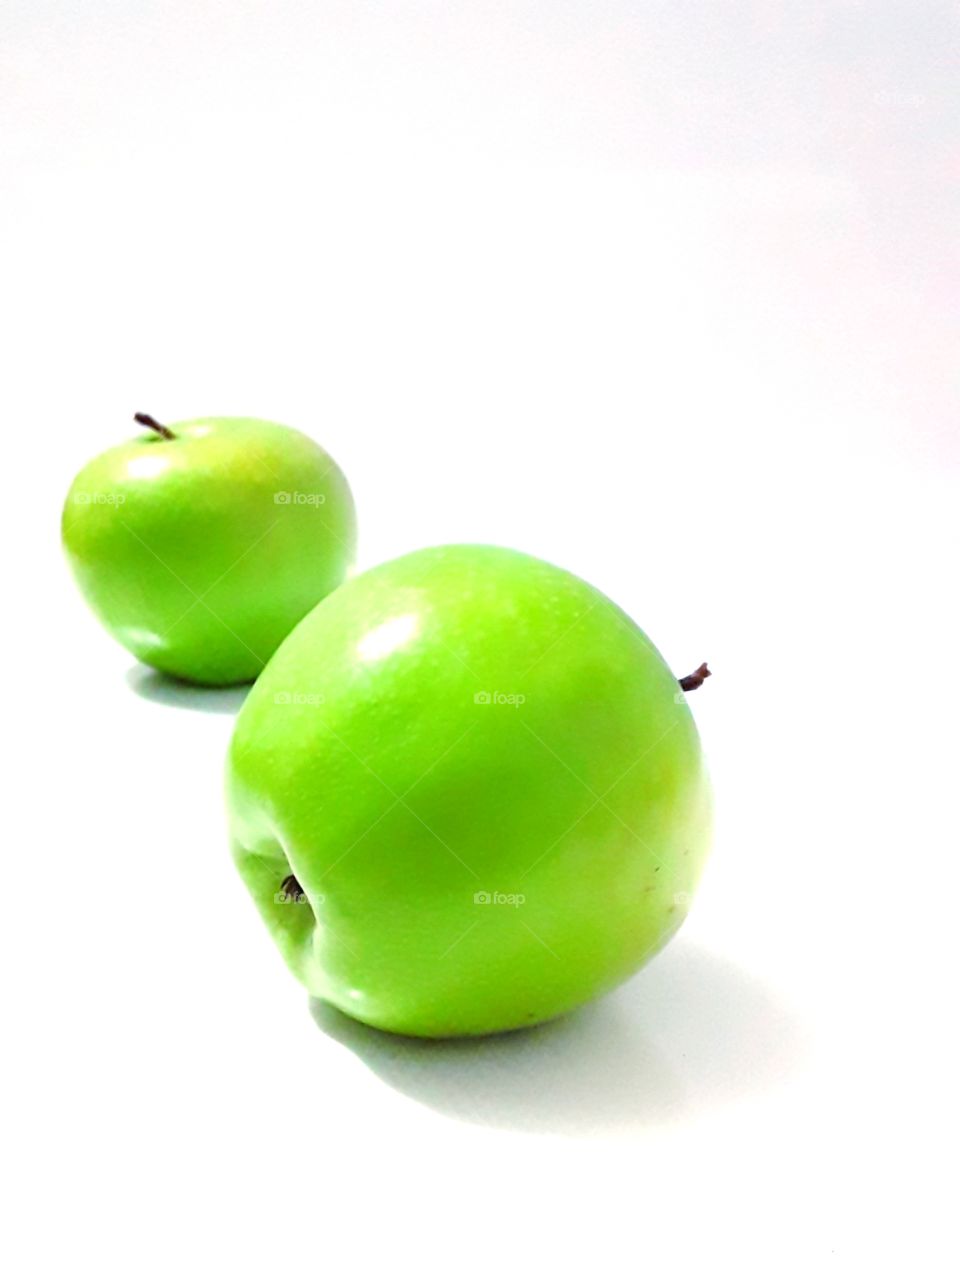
(467, 794)
(200, 546)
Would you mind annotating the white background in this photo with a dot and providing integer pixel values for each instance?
(665, 292)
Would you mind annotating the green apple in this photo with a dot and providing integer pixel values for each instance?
(467, 794)
(200, 546)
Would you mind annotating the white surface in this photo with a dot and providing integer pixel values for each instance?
(663, 292)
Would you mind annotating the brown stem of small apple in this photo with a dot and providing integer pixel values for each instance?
(695, 679)
(146, 421)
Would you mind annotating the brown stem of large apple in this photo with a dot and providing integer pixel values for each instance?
(695, 679)
(146, 421)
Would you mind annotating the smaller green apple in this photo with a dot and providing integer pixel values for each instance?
(201, 545)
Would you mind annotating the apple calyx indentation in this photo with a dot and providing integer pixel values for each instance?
(291, 887)
(695, 679)
(146, 420)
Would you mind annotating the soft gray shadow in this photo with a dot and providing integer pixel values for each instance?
(171, 692)
(690, 1033)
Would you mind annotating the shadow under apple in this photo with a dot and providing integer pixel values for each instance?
(689, 1033)
(155, 686)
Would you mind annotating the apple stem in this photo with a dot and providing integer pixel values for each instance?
(695, 679)
(146, 421)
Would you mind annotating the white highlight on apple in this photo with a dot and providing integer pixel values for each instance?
(389, 636)
(144, 467)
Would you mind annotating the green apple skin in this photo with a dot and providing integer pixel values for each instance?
(467, 721)
(202, 552)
